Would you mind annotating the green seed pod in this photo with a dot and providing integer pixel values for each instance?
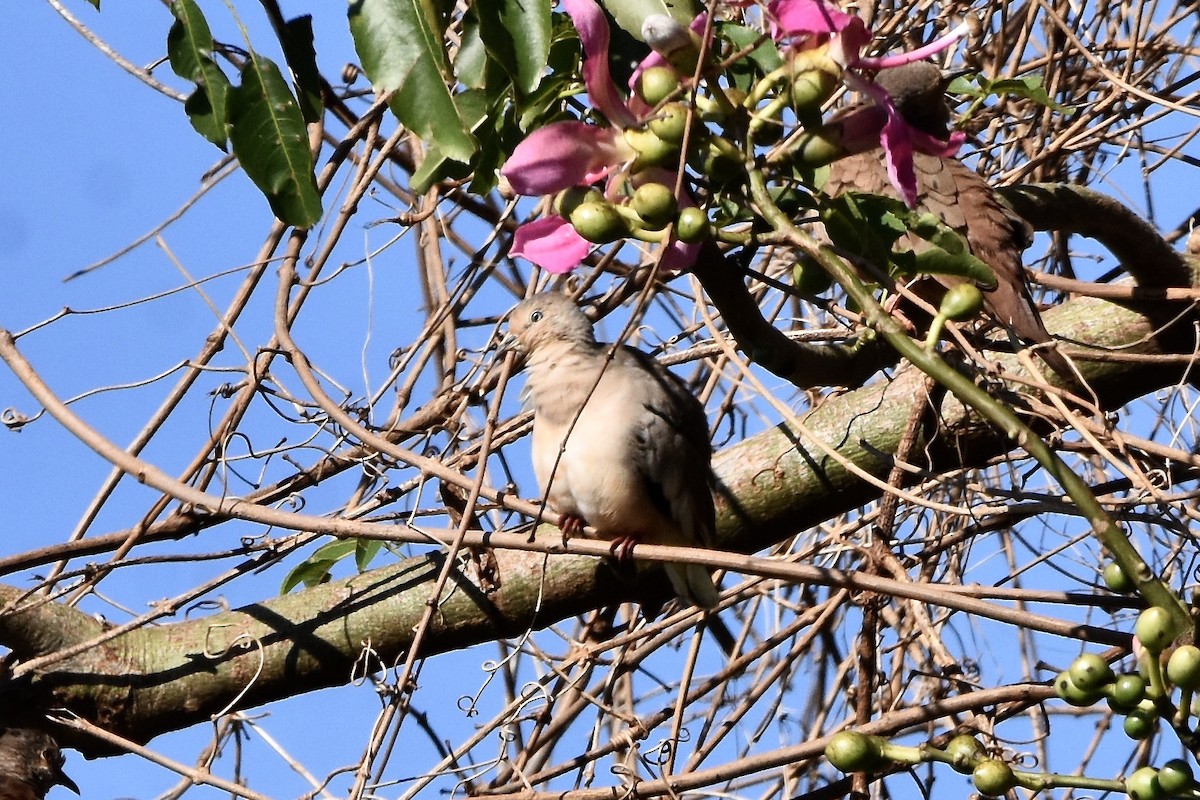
(1140, 724)
(810, 279)
(851, 751)
(964, 751)
(1183, 667)
(692, 226)
(599, 223)
(657, 84)
(1090, 672)
(651, 150)
(1116, 579)
(670, 123)
(1143, 784)
(962, 301)
(993, 777)
(1066, 689)
(1153, 629)
(655, 204)
(1126, 692)
(1175, 777)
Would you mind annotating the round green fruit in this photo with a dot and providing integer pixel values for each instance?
(1143, 784)
(1153, 629)
(670, 123)
(1127, 691)
(1066, 689)
(993, 777)
(1090, 672)
(964, 751)
(657, 84)
(851, 751)
(810, 279)
(651, 150)
(692, 226)
(1183, 667)
(1140, 724)
(1116, 580)
(962, 301)
(655, 204)
(1175, 776)
(599, 223)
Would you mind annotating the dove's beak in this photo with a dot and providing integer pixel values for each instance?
(61, 779)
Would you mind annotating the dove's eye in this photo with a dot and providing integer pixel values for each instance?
(536, 316)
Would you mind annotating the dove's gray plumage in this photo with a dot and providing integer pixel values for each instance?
(636, 463)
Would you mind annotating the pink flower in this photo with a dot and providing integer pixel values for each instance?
(572, 153)
(562, 155)
(551, 243)
(814, 23)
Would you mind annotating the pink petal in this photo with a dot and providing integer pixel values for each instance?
(593, 33)
(898, 152)
(679, 257)
(561, 155)
(795, 17)
(551, 243)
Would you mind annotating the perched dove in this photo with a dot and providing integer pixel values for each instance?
(636, 463)
(961, 198)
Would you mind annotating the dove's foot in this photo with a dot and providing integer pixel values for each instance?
(622, 549)
(570, 525)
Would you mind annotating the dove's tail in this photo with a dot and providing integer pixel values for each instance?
(694, 584)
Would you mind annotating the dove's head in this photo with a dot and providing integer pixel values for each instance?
(548, 318)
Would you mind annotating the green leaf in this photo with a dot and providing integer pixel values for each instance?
(189, 50)
(400, 45)
(270, 141)
(365, 551)
(437, 166)
(1030, 87)
(629, 14)
(301, 57)
(934, 260)
(517, 34)
(95, 3)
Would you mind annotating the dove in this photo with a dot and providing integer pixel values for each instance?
(30, 764)
(961, 198)
(619, 442)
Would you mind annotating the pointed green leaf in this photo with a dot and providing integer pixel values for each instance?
(189, 50)
(933, 260)
(400, 45)
(365, 551)
(270, 141)
(516, 34)
(437, 166)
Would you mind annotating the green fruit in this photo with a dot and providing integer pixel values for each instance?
(1153, 629)
(570, 199)
(651, 150)
(1183, 667)
(1090, 672)
(962, 301)
(993, 777)
(965, 752)
(810, 279)
(1116, 579)
(599, 223)
(655, 204)
(1140, 724)
(1143, 784)
(692, 226)
(670, 123)
(851, 751)
(1066, 689)
(1127, 691)
(657, 84)
(1175, 776)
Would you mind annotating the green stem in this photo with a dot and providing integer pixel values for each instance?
(995, 412)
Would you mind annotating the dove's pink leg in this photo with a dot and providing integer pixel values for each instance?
(622, 549)
(570, 525)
